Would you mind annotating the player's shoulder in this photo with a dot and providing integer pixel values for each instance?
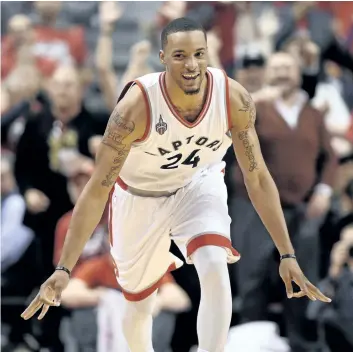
(220, 73)
(149, 80)
(238, 95)
(133, 100)
(240, 101)
(235, 88)
(136, 91)
(132, 97)
(134, 107)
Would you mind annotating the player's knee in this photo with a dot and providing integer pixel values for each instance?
(128, 313)
(136, 314)
(211, 265)
(142, 307)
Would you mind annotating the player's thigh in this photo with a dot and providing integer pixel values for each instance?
(139, 230)
(202, 218)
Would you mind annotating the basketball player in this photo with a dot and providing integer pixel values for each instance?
(160, 165)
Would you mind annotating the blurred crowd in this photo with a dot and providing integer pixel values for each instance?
(63, 65)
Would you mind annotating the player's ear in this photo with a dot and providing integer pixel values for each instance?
(161, 57)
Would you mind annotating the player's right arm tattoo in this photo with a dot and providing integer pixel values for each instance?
(117, 130)
(248, 107)
(243, 136)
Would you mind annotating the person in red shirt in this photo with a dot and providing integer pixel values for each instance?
(98, 244)
(94, 285)
(45, 43)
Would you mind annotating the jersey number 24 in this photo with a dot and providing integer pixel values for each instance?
(191, 160)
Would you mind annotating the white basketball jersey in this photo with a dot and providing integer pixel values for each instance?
(174, 151)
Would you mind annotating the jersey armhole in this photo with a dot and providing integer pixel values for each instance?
(227, 102)
(147, 107)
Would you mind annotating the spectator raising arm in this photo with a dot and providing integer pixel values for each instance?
(138, 65)
(109, 12)
(214, 45)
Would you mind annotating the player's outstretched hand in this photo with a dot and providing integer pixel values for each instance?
(48, 295)
(290, 271)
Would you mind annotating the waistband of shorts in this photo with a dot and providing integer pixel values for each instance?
(143, 193)
(153, 194)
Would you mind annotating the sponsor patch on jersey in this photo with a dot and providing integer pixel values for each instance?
(161, 126)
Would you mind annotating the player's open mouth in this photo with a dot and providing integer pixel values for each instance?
(190, 76)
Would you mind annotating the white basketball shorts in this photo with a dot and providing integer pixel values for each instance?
(141, 229)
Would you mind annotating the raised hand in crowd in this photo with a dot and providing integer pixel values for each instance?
(109, 14)
(19, 28)
(21, 37)
(306, 52)
(93, 144)
(171, 10)
(309, 54)
(140, 52)
(36, 201)
(214, 44)
(138, 64)
(20, 89)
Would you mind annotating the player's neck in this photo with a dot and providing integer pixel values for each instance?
(180, 99)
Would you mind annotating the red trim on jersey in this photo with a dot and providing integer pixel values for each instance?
(148, 111)
(125, 90)
(122, 184)
(110, 216)
(171, 106)
(229, 115)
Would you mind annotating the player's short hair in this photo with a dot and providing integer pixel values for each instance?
(181, 24)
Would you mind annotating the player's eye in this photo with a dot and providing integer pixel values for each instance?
(200, 54)
(179, 56)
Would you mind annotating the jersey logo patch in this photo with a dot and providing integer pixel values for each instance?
(161, 126)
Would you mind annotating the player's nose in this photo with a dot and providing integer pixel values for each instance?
(191, 64)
